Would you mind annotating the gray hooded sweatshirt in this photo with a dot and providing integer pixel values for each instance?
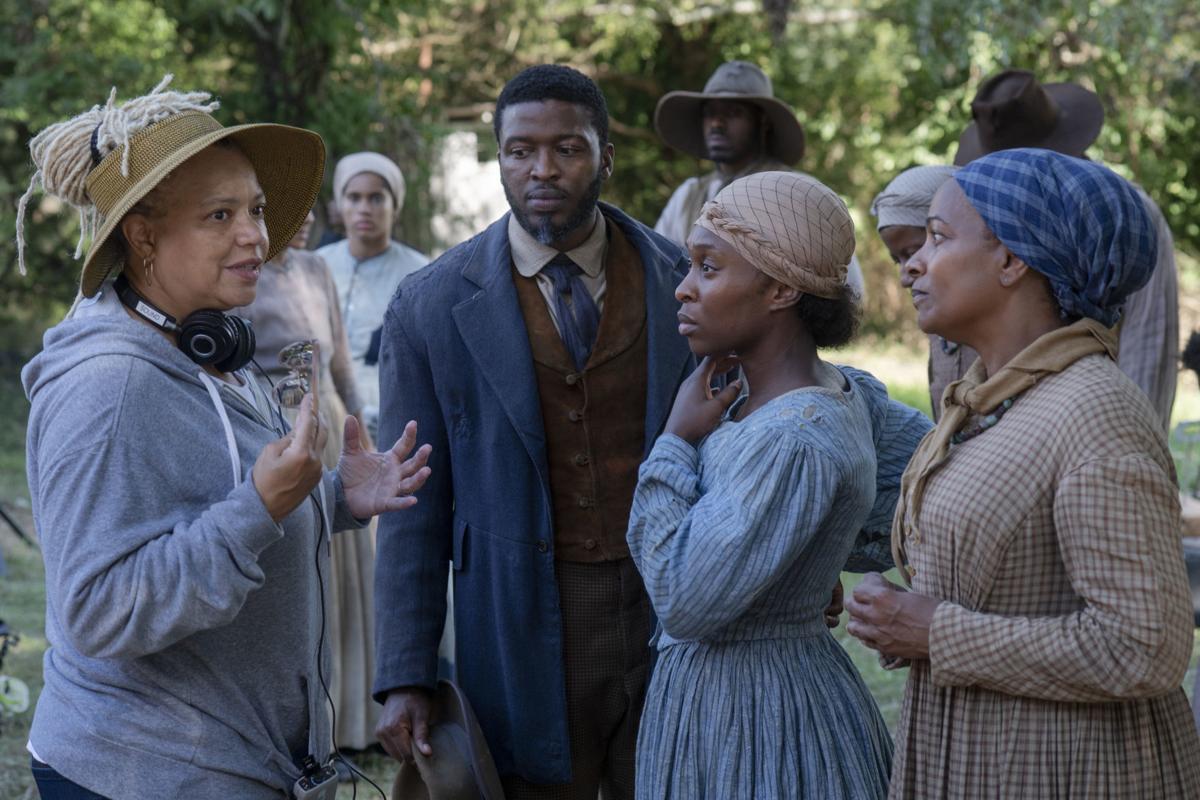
(183, 623)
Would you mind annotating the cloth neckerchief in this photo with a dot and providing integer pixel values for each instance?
(578, 317)
(976, 393)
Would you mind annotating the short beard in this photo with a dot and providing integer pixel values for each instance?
(545, 231)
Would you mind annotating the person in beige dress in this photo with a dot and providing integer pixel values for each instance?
(297, 300)
(1048, 625)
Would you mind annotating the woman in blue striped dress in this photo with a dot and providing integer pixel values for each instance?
(747, 509)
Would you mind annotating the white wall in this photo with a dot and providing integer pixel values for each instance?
(466, 190)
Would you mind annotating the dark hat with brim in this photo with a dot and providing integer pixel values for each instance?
(1013, 110)
(461, 767)
(679, 114)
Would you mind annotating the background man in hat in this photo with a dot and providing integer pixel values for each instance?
(739, 125)
(1012, 109)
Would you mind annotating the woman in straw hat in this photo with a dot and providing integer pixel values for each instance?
(1049, 623)
(748, 507)
(184, 531)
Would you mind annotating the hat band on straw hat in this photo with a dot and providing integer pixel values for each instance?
(148, 148)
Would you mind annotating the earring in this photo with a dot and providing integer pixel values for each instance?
(148, 268)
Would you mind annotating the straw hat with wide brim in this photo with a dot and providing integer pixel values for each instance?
(1012, 109)
(461, 767)
(289, 163)
(678, 115)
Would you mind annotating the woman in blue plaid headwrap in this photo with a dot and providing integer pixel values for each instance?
(1049, 621)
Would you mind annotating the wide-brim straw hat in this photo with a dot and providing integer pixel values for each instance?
(461, 767)
(678, 116)
(289, 163)
(1012, 109)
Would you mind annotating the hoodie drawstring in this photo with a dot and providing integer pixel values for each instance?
(214, 394)
(231, 443)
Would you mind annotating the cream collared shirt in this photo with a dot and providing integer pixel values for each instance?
(529, 256)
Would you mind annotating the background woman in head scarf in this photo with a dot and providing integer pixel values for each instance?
(1050, 622)
(368, 264)
(901, 209)
(746, 511)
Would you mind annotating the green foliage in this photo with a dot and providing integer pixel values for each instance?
(879, 84)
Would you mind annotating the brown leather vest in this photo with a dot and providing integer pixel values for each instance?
(594, 420)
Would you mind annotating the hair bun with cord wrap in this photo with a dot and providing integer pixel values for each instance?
(64, 153)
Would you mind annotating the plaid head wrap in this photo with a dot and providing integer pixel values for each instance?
(1078, 223)
(790, 226)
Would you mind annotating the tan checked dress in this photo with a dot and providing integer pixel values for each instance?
(1055, 667)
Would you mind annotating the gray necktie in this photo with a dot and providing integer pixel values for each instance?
(578, 317)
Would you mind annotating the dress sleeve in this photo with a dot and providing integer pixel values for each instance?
(705, 558)
(1117, 521)
(897, 430)
(341, 364)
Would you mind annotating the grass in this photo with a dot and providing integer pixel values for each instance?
(22, 605)
(22, 593)
(22, 590)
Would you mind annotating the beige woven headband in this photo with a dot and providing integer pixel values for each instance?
(790, 226)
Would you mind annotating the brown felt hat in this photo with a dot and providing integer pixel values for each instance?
(461, 767)
(289, 163)
(678, 115)
(1012, 109)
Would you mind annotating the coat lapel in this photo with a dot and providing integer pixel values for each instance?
(491, 326)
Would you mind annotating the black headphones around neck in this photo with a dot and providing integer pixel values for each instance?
(207, 336)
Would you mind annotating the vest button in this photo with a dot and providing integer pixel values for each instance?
(574, 415)
(589, 544)
(586, 502)
(582, 460)
(542, 547)
(572, 378)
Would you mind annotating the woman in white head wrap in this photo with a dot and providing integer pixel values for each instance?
(368, 264)
(748, 507)
(901, 209)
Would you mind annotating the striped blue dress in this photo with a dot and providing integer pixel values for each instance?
(739, 544)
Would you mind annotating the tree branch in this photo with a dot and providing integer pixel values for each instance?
(252, 22)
